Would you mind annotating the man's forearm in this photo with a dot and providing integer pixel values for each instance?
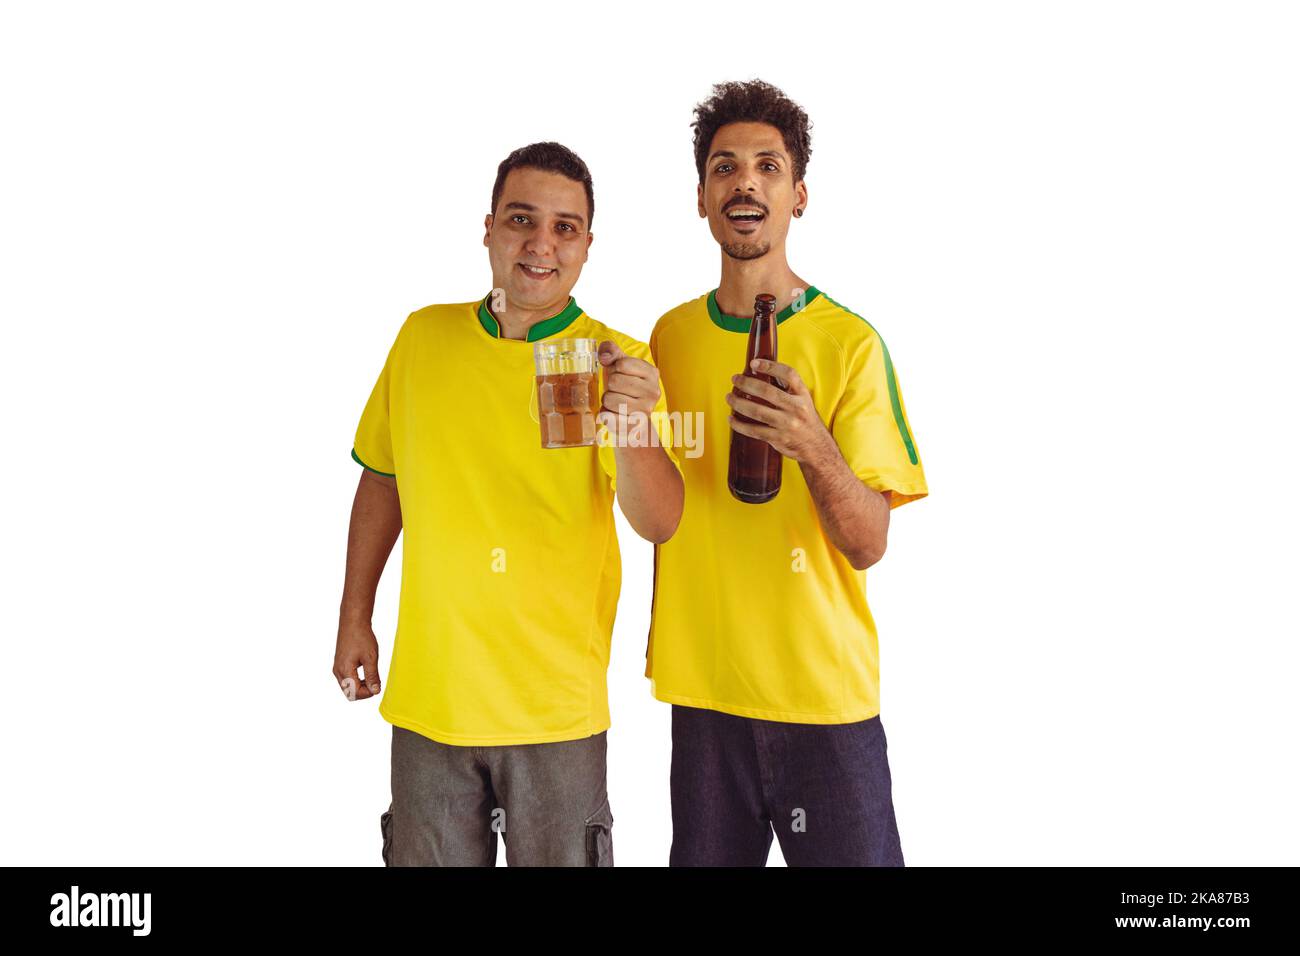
(376, 523)
(854, 517)
(650, 491)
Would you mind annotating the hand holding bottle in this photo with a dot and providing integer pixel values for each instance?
(789, 422)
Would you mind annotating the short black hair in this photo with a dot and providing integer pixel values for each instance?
(553, 158)
(753, 101)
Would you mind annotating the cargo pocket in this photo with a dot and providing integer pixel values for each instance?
(386, 830)
(600, 837)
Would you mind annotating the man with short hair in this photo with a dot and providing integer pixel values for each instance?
(761, 637)
(510, 567)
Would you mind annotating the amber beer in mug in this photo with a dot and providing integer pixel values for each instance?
(568, 391)
(754, 471)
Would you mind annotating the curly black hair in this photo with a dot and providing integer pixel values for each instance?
(753, 101)
(552, 158)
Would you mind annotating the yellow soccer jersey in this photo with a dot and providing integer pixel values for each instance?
(510, 561)
(756, 612)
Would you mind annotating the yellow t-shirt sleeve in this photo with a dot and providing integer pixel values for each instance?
(871, 427)
(372, 447)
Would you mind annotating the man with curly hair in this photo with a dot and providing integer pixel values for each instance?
(760, 636)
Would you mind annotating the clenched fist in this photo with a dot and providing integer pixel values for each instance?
(631, 391)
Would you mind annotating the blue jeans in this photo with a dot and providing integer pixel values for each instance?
(824, 788)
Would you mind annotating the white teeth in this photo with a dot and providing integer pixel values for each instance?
(536, 271)
(737, 213)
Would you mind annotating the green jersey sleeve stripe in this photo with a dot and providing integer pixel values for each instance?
(893, 385)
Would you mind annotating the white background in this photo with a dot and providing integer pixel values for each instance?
(1074, 224)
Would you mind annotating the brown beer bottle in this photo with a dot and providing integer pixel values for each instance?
(754, 471)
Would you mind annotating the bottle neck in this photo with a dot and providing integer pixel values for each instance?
(762, 338)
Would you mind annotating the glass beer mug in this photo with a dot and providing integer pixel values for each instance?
(568, 391)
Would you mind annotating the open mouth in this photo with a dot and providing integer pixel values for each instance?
(745, 216)
(536, 272)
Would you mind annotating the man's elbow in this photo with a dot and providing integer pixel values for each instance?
(659, 523)
(866, 557)
(661, 531)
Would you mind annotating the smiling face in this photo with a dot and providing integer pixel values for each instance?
(537, 238)
(749, 193)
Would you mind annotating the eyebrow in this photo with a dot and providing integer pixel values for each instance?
(529, 207)
(762, 152)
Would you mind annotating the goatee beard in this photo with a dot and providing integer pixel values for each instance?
(746, 250)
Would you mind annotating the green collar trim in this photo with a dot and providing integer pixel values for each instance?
(734, 323)
(556, 323)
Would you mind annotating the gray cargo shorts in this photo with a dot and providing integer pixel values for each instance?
(548, 802)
